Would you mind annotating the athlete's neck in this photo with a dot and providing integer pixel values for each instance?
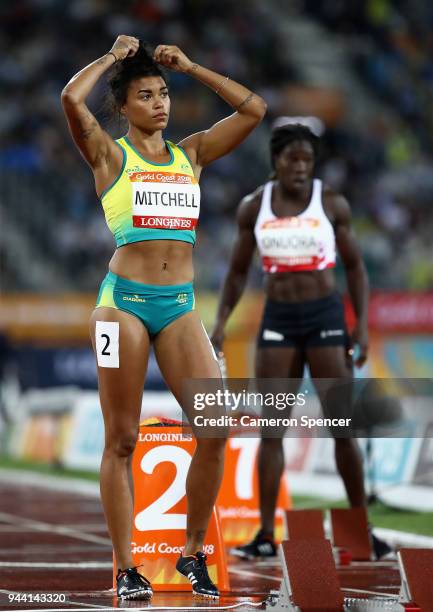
(292, 192)
(151, 144)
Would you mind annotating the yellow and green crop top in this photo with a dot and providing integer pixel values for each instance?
(150, 201)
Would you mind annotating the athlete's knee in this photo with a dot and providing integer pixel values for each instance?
(212, 446)
(121, 444)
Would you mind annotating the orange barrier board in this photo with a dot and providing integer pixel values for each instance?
(160, 465)
(238, 499)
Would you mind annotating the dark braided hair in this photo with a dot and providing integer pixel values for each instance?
(292, 132)
(139, 65)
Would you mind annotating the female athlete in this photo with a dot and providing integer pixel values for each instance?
(149, 190)
(297, 224)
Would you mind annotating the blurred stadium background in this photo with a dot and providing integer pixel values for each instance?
(364, 68)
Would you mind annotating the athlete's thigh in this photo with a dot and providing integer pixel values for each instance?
(329, 362)
(331, 370)
(287, 365)
(280, 362)
(121, 387)
(183, 352)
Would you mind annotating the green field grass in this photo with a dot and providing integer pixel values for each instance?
(43, 468)
(380, 515)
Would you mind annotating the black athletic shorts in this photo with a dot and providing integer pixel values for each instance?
(304, 324)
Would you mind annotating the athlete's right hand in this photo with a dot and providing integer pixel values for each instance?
(217, 339)
(125, 46)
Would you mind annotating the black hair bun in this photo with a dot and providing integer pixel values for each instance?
(143, 56)
(137, 66)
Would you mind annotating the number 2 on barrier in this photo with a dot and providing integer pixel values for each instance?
(107, 344)
(153, 517)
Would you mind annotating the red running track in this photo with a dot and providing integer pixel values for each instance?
(56, 543)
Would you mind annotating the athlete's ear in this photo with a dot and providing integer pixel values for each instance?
(122, 110)
(277, 163)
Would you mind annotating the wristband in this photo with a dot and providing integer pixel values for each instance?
(115, 58)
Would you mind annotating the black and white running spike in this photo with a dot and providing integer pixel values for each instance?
(132, 585)
(261, 547)
(194, 568)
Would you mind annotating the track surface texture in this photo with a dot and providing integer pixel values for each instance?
(56, 543)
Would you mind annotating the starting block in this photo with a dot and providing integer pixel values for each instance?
(310, 584)
(349, 530)
(308, 525)
(159, 467)
(416, 569)
(310, 580)
(304, 525)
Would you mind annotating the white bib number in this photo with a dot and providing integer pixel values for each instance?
(107, 344)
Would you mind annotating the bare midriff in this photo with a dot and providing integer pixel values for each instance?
(299, 286)
(154, 262)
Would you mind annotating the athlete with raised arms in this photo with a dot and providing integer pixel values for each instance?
(149, 190)
(298, 223)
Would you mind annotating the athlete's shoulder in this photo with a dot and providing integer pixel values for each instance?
(334, 203)
(249, 207)
(252, 200)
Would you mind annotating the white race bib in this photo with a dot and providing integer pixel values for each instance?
(165, 200)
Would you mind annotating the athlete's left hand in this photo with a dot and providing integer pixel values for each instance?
(360, 338)
(172, 57)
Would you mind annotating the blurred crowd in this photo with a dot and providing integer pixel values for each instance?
(46, 191)
(390, 47)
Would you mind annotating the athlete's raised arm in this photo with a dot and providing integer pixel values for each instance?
(240, 262)
(95, 144)
(224, 136)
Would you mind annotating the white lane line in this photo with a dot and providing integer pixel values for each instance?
(84, 527)
(65, 565)
(14, 529)
(76, 486)
(90, 526)
(50, 528)
(253, 574)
